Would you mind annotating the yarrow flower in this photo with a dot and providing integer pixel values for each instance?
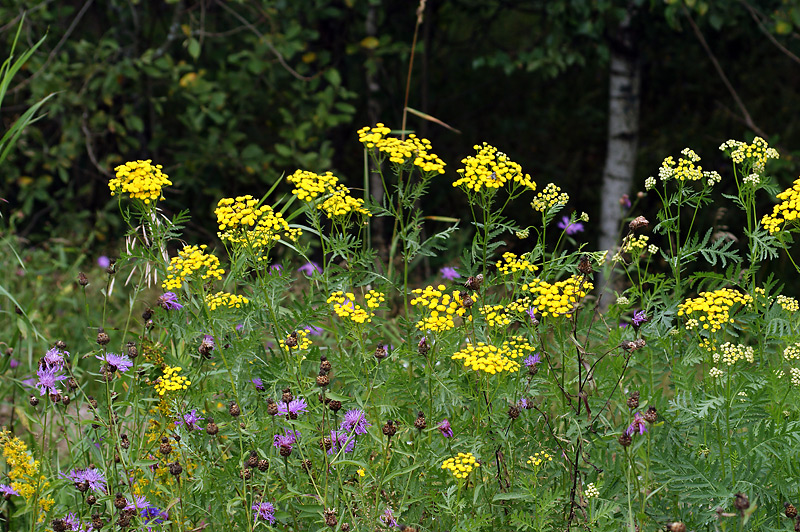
(445, 428)
(355, 421)
(449, 273)
(169, 301)
(139, 179)
(292, 408)
(570, 228)
(264, 511)
(115, 362)
(190, 419)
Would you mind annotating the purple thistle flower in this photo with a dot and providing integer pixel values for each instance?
(190, 419)
(445, 429)
(93, 476)
(523, 403)
(531, 360)
(13, 363)
(8, 491)
(258, 383)
(153, 516)
(264, 511)
(639, 317)
(48, 378)
(449, 273)
(169, 301)
(388, 519)
(570, 228)
(54, 358)
(531, 312)
(103, 261)
(293, 408)
(139, 502)
(276, 269)
(119, 363)
(207, 345)
(355, 420)
(74, 524)
(288, 438)
(309, 268)
(340, 440)
(638, 425)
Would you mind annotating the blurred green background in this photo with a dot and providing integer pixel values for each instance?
(230, 95)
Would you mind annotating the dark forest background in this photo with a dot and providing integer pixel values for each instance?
(230, 95)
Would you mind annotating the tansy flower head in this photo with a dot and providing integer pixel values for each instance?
(489, 170)
(785, 212)
(191, 261)
(461, 465)
(712, 309)
(560, 298)
(243, 222)
(413, 150)
(139, 179)
(171, 381)
(550, 198)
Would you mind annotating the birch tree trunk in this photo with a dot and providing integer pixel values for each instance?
(623, 139)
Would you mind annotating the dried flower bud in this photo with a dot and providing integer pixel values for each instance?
(381, 352)
(633, 345)
(211, 428)
(306, 465)
(91, 500)
(345, 527)
(291, 341)
(65, 400)
(389, 429)
(513, 411)
(34, 401)
(58, 525)
(335, 405)
(633, 400)
(323, 380)
(147, 314)
(102, 337)
(175, 469)
(83, 487)
(92, 401)
(324, 363)
(790, 510)
(263, 465)
(234, 409)
(245, 474)
(474, 283)
(9, 351)
(330, 518)
(252, 460)
(97, 521)
(125, 443)
(82, 279)
(466, 301)
(119, 501)
(287, 395)
(741, 502)
(585, 265)
(130, 349)
(272, 407)
(676, 527)
(286, 451)
(625, 440)
(640, 222)
(420, 422)
(72, 383)
(651, 415)
(423, 347)
(55, 397)
(325, 444)
(165, 448)
(124, 520)
(60, 344)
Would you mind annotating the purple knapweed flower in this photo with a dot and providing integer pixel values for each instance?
(48, 377)
(92, 476)
(119, 363)
(264, 511)
(531, 312)
(169, 301)
(340, 440)
(288, 438)
(314, 331)
(531, 360)
(139, 502)
(292, 408)
(103, 261)
(309, 268)
(153, 516)
(275, 269)
(54, 358)
(639, 317)
(388, 519)
(355, 420)
(638, 425)
(523, 404)
(258, 383)
(74, 524)
(207, 345)
(449, 273)
(445, 429)
(7, 491)
(570, 228)
(190, 419)
(13, 363)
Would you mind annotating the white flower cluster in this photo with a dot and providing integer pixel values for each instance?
(795, 376)
(652, 249)
(622, 300)
(715, 373)
(650, 183)
(752, 180)
(731, 353)
(591, 491)
(792, 352)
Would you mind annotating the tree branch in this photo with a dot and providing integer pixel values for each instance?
(766, 32)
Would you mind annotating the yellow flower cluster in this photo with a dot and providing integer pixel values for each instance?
(788, 303)
(23, 469)
(492, 359)
(461, 465)
(495, 315)
(732, 353)
(713, 308)
(708, 345)
(758, 152)
(140, 179)
(512, 264)
(792, 352)
(560, 298)
(685, 170)
(301, 336)
(550, 197)
(190, 260)
(539, 458)
(337, 202)
(224, 299)
(400, 151)
(171, 381)
(309, 185)
(788, 210)
(242, 221)
(345, 307)
(442, 306)
(490, 169)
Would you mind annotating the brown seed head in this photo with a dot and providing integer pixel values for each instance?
(323, 380)
(651, 415)
(291, 341)
(97, 521)
(119, 501)
(330, 518)
(389, 429)
(474, 283)
(625, 440)
(82, 279)
(147, 314)
(335, 405)
(234, 409)
(585, 265)
(423, 347)
(287, 395)
(420, 422)
(65, 400)
(325, 444)
(513, 411)
(125, 443)
(324, 363)
(211, 428)
(245, 474)
(640, 222)
(381, 352)
(286, 451)
(91, 500)
(272, 407)
(741, 502)
(790, 510)
(60, 344)
(633, 400)
(175, 469)
(33, 400)
(165, 448)
(102, 337)
(252, 460)
(130, 349)
(263, 465)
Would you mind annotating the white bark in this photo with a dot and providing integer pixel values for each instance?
(623, 137)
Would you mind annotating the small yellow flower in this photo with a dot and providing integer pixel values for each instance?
(461, 465)
(139, 179)
(560, 298)
(224, 299)
(361, 473)
(412, 150)
(171, 381)
(712, 308)
(490, 169)
(190, 261)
